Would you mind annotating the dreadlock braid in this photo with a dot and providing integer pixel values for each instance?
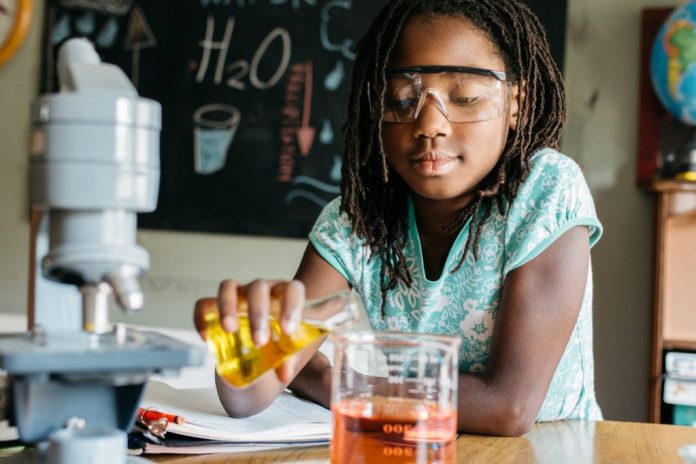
(373, 197)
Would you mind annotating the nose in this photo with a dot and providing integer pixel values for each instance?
(431, 119)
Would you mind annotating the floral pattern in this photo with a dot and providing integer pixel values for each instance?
(553, 199)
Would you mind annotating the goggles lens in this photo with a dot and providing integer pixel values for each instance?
(461, 96)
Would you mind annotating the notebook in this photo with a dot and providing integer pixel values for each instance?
(288, 422)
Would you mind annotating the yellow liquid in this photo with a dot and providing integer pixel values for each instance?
(240, 362)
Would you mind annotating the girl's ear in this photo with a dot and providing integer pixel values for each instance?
(515, 103)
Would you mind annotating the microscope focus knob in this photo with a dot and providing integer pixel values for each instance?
(127, 292)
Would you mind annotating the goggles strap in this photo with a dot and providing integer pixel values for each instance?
(368, 93)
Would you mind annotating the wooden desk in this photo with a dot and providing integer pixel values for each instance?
(567, 442)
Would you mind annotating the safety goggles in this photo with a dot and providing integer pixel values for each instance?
(462, 94)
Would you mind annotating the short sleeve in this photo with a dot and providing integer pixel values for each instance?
(553, 199)
(332, 237)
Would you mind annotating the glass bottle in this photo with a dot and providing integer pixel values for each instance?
(240, 362)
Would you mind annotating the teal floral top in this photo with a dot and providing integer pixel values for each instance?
(553, 199)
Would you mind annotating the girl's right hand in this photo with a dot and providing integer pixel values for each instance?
(259, 296)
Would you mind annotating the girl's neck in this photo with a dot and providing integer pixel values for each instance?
(432, 216)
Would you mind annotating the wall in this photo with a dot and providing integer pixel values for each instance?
(602, 59)
(601, 70)
(185, 266)
(18, 83)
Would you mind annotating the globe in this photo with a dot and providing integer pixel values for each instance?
(673, 63)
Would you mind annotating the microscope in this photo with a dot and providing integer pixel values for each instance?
(74, 380)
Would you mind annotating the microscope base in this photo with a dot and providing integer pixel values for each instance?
(58, 380)
(34, 457)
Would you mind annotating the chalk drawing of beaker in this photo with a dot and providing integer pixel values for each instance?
(214, 126)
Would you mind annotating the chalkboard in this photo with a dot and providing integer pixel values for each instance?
(254, 96)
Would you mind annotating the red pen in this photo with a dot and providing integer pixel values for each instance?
(149, 414)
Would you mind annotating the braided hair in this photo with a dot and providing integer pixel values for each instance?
(373, 197)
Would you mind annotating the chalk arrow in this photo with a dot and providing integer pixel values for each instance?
(305, 134)
(138, 36)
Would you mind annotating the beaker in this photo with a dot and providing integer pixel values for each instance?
(240, 362)
(394, 398)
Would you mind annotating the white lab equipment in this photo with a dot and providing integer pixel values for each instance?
(94, 166)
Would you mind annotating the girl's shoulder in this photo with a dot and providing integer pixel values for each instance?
(332, 237)
(332, 208)
(553, 173)
(555, 187)
(331, 217)
(333, 225)
(554, 198)
(548, 160)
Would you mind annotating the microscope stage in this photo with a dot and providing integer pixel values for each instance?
(75, 353)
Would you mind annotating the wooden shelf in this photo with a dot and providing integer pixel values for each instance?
(674, 279)
(679, 345)
(674, 292)
(672, 185)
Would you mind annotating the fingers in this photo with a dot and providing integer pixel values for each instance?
(202, 308)
(292, 297)
(227, 303)
(259, 301)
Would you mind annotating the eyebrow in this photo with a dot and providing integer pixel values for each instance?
(500, 75)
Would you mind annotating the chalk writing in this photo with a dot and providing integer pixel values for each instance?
(335, 174)
(241, 68)
(316, 183)
(327, 134)
(139, 36)
(85, 23)
(313, 197)
(253, 96)
(305, 134)
(208, 45)
(326, 15)
(107, 34)
(335, 78)
(61, 30)
(283, 35)
(289, 121)
(214, 128)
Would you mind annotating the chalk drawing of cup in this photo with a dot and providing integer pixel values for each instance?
(213, 131)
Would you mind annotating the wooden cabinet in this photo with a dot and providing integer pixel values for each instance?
(674, 311)
(674, 305)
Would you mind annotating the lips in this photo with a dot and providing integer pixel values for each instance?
(434, 164)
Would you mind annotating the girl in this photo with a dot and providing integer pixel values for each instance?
(456, 216)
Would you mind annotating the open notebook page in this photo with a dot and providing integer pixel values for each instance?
(287, 420)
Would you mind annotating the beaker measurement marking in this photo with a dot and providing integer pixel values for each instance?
(416, 369)
(396, 428)
(412, 369)
(397, 451)
(395, 379)
(425, 381)
(397, 357)
(421, 358)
